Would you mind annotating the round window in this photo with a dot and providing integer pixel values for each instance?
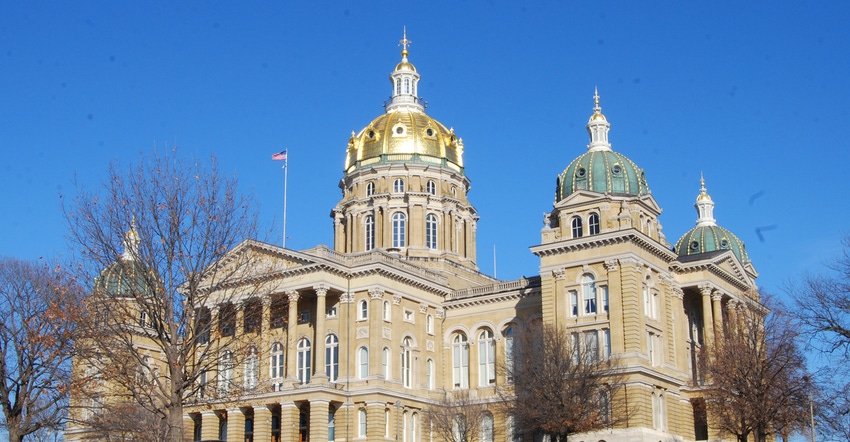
(429, 132)
(616, 169)
(580, 172)
(371, 134)
(724, 243)
(694, 245)
(399, 130)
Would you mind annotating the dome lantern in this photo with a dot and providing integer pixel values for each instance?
(405, 82)
(707, 236)
(598, 127)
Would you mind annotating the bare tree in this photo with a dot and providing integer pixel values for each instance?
(162, 229)
(822, 307)
(757, 381)
(40, 308)
(458, 417)
(571, 386)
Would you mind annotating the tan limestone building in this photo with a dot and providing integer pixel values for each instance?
(355, 342)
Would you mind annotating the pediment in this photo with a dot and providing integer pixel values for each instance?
(722, 263)
(253, 259)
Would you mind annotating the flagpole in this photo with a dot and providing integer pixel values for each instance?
(285, 174)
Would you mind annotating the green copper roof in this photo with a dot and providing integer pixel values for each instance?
(602, 171)
(123, 279)
(705, 239)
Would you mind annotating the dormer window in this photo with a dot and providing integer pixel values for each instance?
(616, 169)
(724, 243)
(694, 246)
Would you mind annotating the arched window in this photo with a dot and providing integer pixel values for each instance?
(429, 374)
(485, 433)
(361, 420)
(370, 188)
(398, 86)
(431, 231)
(406, 85)
(370, 232)
(252, 369)
(577, 230)
(332, 357)
(429, 324)
(225, 371)
(386, 311)
(276, 365)
(486, 358)
(303, 365)
(406, 361)
(399, 221)
(510, 351)
(593, 224)
(588, 290)
(363, 312)
(385, 363)
(363, 355)
(431, 187)
(460, 361)
(398, 185)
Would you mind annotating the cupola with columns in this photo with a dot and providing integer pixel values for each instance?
(404, 187)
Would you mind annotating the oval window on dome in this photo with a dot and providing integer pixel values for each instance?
(371, 134)
(580, 172)
(429, 132)
(724, 243)
(399, 130)
(694, 246)
(616, 169)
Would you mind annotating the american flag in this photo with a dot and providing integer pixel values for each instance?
(280, 156)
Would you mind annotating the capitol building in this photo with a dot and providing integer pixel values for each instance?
(357, 340)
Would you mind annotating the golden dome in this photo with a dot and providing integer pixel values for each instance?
(404, 64)
(405, 136)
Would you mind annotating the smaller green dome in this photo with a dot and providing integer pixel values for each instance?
(706, 239)
(123, 278)
(602, 171)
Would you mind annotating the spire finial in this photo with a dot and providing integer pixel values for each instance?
(701, 181)
(404, 42)
(596, 107)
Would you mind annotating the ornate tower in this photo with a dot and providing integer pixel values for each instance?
(404, 189)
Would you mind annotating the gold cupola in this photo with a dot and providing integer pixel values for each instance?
(404, 133)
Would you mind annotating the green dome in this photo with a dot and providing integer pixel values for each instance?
(706, 239)
(123, 278)
(602, 171)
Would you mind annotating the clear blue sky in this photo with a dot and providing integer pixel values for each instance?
(753, 94)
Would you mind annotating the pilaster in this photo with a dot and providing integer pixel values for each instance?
(235, 424)
(209, 425)
(262, 423)
(319, 420)
(630, 296)
(319, 339)
(289, 422)
(291, 334)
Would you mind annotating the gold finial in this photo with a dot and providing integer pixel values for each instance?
(404, 42)
(701, 180)
(597, 109)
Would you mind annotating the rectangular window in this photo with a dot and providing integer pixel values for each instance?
(589, 299)
(606, 343)
(591, 347)
(304, 317)
(604, 289)
(573, 303)
(408, 315)
(331, 313)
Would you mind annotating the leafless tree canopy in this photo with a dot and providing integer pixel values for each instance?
(458, 418)
(40, 307)
(757, 382)
(558, 386)
(162, 281)
(823, 309)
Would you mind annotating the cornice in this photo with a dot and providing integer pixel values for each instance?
(605, 239)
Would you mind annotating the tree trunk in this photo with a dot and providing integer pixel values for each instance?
(175, 422)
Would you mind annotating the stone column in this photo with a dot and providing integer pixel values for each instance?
(188, 427)
(707, 317)
(375, 323)
(235, 425)
(289, 422)
(209, 425)
(339, 232)
(375, 426)
(732, 310)
(291, 349)
(319, 347)
(680, 324)
(633, 333)
(239, 318)
(615, 306)
(716, 298)
(262, 424)
(319, 420)
(265, 335)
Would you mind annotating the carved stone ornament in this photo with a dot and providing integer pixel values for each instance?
(677, 292)
(612, 265)
(558, 274)
(440, 313)
(429, 345)
(396, 299)
(387, 333)
(423, 307)
(376, 293)
(321, 289)
(362, 332)
(292, 295)
(346, 298)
